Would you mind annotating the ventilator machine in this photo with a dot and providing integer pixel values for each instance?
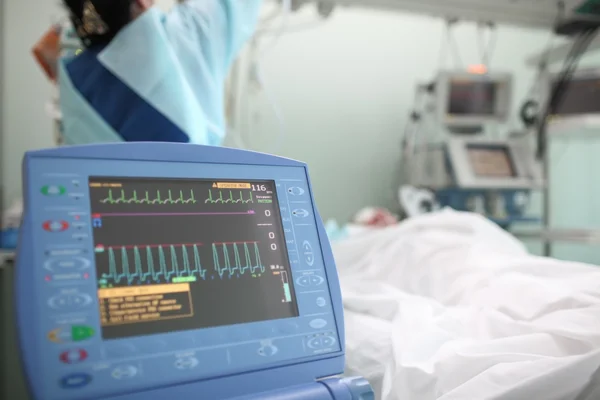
(154, 270)
(459, 154)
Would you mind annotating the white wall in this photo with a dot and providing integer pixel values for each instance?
(346, 88)
(26, 90)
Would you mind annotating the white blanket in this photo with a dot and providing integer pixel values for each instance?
(448, 306)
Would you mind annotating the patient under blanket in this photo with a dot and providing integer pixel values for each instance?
(449, 306)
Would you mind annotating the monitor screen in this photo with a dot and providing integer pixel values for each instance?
(581, 96)
(472, 98)
(175, 254)
(491, 161)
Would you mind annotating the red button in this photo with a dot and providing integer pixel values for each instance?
(56, 226)
(73, 356)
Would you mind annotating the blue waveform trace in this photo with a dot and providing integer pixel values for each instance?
(156, 272)
(224, 265)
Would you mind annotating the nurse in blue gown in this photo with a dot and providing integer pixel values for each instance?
(149, 76)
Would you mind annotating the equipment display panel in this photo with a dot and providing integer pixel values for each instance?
(468, 97)
(581, 96)
(491, 161)
(492, 164)
(174, 254)
(141, 274)
(472, 100)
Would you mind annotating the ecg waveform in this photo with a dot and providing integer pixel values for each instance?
(230, 260)
(228, 197)
(179, 263)
(150, 197)
(153, 263)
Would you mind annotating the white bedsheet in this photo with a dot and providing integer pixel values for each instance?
(448, 306)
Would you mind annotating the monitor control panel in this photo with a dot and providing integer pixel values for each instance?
(145, 274)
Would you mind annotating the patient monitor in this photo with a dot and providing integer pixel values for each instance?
(472, 100)
(152, 271)
(579, 105)
(460, 161)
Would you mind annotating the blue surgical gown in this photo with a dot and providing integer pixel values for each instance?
(161, 79)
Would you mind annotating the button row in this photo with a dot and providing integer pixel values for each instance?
(70, 301)
(76, 333)
(67, 264)
(310, 280)
(321, 342)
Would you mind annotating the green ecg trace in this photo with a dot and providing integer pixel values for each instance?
(223, 252)
(149, 197)
(162, 265)
(229, 198)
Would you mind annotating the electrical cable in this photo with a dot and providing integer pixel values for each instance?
(286, 10)
(454, 46)
(562, 83)
(486, 50)
(557, 92)
(254, 73)
(443, 53)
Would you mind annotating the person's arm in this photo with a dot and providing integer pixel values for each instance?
(224, 26)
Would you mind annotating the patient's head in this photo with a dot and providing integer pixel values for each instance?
(98, 21)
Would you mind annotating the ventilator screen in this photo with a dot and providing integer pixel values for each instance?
(580, 96)
(472, 98)
(491, 162)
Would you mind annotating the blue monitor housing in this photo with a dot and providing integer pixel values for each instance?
(154, 270)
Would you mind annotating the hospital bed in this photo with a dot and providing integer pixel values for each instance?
(154, 270)
(449, 306)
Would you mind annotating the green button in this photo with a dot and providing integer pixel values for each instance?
(80, 333)
(53, 190)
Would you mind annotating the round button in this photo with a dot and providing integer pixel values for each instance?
(296, 191)
(321, 302)
(67, 264)
(53, 190)
(268, 351)
(73, 356)
(303, 281)
(318, 323)
(75, 381)
(80, 300)
(300, 213)
(124, 372)
(328, 341)
(316, 280)
(186, 363)
(315, 343)
(55, 226)
(309, 255)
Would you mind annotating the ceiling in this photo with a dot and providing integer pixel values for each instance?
(539, 14)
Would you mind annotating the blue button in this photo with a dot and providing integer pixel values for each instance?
(328, 341)
(296, 191)
(303, 281)
(315, 343)
(316, 280)
(318, 323)
(300, 213)
(321, 302)
(267, 351)
(75, 381)
(309, 255)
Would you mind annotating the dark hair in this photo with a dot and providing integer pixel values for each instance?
(115, 14)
